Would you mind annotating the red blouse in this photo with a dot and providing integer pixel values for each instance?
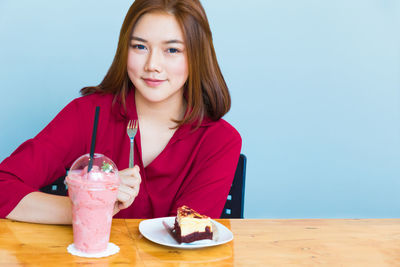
(196, 168)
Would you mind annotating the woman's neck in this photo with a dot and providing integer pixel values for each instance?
(161, 112)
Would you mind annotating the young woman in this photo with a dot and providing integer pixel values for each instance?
(165, 75)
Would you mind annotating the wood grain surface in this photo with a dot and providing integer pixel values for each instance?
(257, 242)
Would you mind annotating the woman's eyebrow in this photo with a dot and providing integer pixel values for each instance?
(165, 42)
(173, 41)
(138, 39)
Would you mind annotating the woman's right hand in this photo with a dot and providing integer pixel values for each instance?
(128, 190)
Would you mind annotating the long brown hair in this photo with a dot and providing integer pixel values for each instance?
(205, 90)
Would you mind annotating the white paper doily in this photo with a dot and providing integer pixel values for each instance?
(111, 250)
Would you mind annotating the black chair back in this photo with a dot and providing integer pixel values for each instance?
(234, 204)
(56, 188)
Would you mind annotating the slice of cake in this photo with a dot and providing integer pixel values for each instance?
(191, 226)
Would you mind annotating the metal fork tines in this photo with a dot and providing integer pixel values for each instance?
(131, 129)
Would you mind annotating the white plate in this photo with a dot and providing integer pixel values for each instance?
(154, 230)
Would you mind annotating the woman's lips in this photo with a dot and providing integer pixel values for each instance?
(153, 82)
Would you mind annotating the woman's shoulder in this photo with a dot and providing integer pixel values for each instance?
(221, 129)
(93, 99)
(84, 106)
(217, 138)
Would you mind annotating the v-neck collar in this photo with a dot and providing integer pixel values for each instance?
(130, 113)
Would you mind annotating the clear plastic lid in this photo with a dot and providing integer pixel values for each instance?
(103, 170)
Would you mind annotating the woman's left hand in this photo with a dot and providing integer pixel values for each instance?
(128, 190)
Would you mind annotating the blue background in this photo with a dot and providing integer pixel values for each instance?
(315, 87)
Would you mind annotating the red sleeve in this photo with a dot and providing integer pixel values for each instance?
(41, 160)
(207, 186)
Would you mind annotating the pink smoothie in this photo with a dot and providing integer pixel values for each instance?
(93, 196)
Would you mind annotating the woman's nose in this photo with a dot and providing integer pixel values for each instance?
(154, 62)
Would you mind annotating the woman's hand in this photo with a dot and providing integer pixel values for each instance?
(128, 190)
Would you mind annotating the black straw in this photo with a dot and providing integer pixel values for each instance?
(92, 146)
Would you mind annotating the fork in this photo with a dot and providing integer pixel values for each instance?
(131, 130)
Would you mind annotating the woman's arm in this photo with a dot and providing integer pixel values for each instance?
(206, 187)
(38, 207)
(38, 162)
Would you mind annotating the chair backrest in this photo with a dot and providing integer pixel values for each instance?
(234, 204)
(56, 188)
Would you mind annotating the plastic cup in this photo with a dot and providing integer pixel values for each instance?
(93, 196)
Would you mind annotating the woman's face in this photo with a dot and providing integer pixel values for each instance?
(157, 60)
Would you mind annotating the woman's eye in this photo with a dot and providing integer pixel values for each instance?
(172, 50)
(139, 46)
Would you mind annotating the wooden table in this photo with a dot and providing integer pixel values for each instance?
(257, 242)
